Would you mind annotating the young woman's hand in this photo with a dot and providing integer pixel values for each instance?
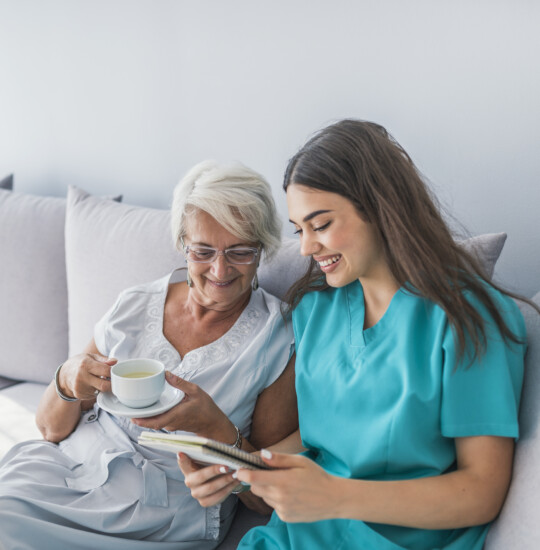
(299, 490)
(197, 413)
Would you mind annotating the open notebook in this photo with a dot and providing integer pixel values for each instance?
(203, 450)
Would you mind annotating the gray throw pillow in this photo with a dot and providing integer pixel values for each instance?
(487, 248)
(7, 183)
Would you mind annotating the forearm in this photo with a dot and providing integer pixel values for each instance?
(301, 491)
(454, 500)
(56, 418)
(292, 444)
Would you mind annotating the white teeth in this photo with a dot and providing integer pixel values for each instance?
(330, 261)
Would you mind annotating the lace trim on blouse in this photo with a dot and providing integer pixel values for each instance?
(154, 344)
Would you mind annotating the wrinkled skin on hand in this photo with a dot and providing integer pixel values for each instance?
(83, 374)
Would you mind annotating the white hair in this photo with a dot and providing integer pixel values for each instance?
(237, 197)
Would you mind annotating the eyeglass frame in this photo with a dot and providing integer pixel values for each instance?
(217, 252)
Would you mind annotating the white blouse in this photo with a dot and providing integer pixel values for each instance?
(233, 370)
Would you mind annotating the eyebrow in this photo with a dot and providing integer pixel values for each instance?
(313, 215)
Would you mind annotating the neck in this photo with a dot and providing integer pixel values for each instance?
(215, 311)
(378, 293)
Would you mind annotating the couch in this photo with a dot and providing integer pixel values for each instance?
(63, 261)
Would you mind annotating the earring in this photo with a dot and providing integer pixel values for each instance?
(188, 280)
(255, 283)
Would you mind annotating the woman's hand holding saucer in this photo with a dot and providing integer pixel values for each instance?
(197, 413)
(84, 376)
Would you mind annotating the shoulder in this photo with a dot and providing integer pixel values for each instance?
(505, 305)
(138, 296)
(266, 303)
(328, 303)
(322, 298)
(145, 289)
(268, 311)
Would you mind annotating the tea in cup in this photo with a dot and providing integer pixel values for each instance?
(138, 383)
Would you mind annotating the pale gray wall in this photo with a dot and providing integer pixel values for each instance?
(123, 96)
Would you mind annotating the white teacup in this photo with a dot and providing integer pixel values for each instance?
(138, 383)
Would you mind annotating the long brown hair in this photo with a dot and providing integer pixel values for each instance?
(362, 162)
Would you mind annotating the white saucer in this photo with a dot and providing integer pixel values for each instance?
(169, 398)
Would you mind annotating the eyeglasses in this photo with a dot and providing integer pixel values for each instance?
(239, 255)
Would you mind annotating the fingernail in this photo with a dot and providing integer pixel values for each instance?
(222, 469)
(265, 453)
(235, 475)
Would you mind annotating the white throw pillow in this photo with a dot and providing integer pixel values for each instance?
(110, 247)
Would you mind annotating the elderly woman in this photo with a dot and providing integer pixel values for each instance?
(224, 344)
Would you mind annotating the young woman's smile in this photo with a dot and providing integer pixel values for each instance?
(331, 230)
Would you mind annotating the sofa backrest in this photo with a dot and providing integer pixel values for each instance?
(518, 525)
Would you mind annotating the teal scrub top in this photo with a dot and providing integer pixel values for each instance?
(385, 404)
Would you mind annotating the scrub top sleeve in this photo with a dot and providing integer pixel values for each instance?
(482, 398)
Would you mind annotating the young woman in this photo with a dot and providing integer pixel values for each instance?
(408, 372)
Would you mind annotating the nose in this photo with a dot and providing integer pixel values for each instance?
(220, 267)
(308, 244)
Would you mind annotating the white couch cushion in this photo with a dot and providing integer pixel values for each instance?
(517, 525)
(33, 294)
(18, 405)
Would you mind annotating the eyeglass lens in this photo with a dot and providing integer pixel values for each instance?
(203, 254)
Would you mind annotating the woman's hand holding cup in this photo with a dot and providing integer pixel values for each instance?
(84, 376)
